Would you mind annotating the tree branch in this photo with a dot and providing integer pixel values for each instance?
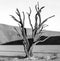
(30, 22)
(41, 40)
(42, 27)
(23, 18)
(37, 36)
(40, 30)
(17, 12)
(35, 25)
(29, 18)
(15, 19)
(36, 7)
(37, 16)
(22, 25)
(17, 32)
(45, 21)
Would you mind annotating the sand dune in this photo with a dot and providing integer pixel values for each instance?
(8, 33)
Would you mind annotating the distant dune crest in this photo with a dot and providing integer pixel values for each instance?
(8, 34)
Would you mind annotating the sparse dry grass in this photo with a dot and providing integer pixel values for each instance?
(41, 57)
(44, 53)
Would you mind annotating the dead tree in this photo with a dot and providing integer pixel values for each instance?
(36, 29)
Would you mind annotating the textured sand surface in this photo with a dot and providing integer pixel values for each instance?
(44, 52)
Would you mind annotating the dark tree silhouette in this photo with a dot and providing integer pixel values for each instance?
(36, 29)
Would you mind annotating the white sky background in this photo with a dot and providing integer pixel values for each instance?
(52, 7)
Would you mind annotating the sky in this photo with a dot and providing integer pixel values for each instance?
(52, 7)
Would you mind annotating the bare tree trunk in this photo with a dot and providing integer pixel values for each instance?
(28, 50)
(31, 51)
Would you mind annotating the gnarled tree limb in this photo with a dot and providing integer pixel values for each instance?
(30, 22)
(45, 21)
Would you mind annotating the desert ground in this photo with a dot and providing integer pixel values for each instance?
(43, 52)
(14, 52)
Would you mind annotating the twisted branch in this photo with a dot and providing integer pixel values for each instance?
(23, 18)
(30, 22)
(36, 17)
(15, 19)
(38, 40)
(45, 20)
(29, 18)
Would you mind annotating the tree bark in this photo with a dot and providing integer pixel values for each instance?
(28, 49)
